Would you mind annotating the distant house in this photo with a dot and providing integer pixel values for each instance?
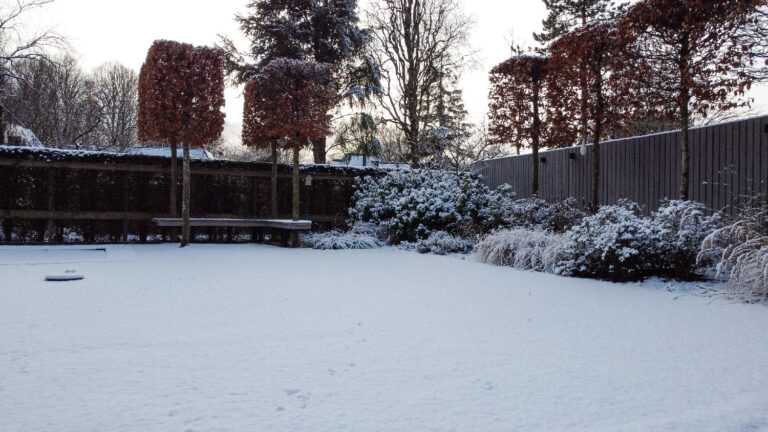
(361, 160)
(21, 137)
(194, 153)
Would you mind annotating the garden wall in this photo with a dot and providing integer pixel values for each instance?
(729, 164)
(72, 196)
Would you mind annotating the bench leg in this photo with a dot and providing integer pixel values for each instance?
(294, 239)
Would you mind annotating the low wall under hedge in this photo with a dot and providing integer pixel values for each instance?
(61, 196)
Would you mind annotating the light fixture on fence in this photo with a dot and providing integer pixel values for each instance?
(543, 159)
(572, 156)
(308, 180)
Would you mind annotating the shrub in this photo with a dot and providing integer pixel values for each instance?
(613, 244)
(443, 243)
(680, 227)
(410, 205)
(744, 246)
(527, 213)
(356, 238)
(522, 249)
(562, 216)
(534, 212)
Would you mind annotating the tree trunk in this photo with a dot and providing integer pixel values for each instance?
(173, 181)
(584, 127)
(319, 150)
(185, 229)
(3, 138)
(684, 99)
(595, 204)
(273, 191)
(685, 154)
(296, 188)
(413, 144)
(535, 141)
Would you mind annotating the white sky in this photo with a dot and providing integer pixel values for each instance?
(119, 30)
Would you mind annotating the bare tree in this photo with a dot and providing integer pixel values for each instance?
(16, 45)
(55, 99)
(461, 154)
(417, 42)
(116, 93)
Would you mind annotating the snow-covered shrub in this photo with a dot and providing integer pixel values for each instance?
(443, 243)
(527, 213)
(410, 205)
(534, 212)
(497, 211)
(523, 249)
(370, 229)
(680, 227)
(562, 216)
(744, 246)
(340, 240)
(613, 244)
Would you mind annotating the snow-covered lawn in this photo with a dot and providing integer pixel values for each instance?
(257, 338)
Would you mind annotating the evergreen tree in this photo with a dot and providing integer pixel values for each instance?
(447, 128)
(322, 31)
(567, 15)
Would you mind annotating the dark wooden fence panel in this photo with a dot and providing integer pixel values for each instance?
(729, 165)
(60, 196)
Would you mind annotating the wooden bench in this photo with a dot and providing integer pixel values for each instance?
(292, 226)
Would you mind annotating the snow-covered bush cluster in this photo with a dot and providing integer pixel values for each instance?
(360, 236)
(610, 244)
(680, 227)
(443, 243)
(411, 205)
(742, 246)
(618, 244)
(443, 213)
(523, 249)
(536, 213)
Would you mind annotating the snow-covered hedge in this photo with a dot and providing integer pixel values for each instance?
(359, 236)
(742, 246)
(443, 243)
(535, 213)
(680, 227)
(340, 240)
(411, 205)
(618, 244)
(611, 244)
(522, 249)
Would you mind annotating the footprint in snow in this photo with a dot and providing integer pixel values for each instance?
(291, 392)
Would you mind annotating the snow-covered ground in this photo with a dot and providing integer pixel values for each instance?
(257, 338)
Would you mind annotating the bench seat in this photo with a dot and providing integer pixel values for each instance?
(286, 224)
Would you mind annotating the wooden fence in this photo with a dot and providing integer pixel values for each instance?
(63, 196)
(729, 164)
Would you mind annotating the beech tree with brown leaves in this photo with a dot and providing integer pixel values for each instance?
(253, 131)
(181, 93)
(695, 57)
(516, 105)
(290, 100)
(324, 31)
(586, 55)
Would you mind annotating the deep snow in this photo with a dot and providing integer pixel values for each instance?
(257, 338)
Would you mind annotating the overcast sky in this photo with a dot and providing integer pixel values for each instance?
(119, 30)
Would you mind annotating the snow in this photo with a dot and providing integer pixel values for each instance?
(252, 337)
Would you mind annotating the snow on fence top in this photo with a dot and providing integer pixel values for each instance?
(109, 158)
